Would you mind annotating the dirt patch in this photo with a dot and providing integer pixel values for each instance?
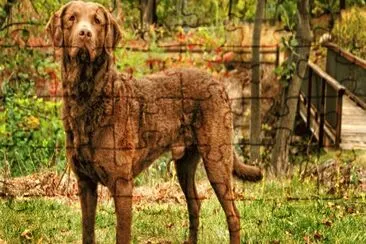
(64, 186)
(51, 184)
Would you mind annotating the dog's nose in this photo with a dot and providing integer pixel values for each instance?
(85, 33)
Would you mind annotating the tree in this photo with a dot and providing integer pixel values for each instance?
(255, 105)
(148, 12)
(118, 12)
(230, 10)
(6, 10)
(299, 57)
(342, 4)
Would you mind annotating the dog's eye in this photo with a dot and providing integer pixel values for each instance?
(72, 18)
(97, 21)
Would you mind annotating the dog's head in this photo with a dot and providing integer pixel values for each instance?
(84, 30)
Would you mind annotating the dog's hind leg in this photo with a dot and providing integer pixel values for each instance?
(88, 199)
(219, 175)
(214, 137)
(186, 169)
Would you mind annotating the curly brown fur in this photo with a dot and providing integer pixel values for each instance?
(117, 126)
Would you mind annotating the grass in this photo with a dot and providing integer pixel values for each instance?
(272, 217)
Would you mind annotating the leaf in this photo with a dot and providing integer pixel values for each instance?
(327, 222)
(27, 234)
(307, 239)
(229, 56)
(278, 70)
(294, 42)
(318, 236)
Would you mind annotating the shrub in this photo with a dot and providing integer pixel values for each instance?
(31, 132)
(350, 33)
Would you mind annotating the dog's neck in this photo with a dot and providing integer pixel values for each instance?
(82, 79)
(87, 89)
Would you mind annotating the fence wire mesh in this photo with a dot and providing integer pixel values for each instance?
(156, 109)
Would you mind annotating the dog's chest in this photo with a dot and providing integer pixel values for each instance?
(104, 157)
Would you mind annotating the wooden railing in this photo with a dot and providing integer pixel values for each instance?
(349, 70)
(321, 98)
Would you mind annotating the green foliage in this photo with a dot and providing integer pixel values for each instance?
(355, 3)
(246, 8)
(31, 132)
(22, 66)
(350, 32)
(287, 69)
(201, 12)
(160, 171)
(135, 61)
(332, 6)
(325, 6)
(287, 13)
(47, 7)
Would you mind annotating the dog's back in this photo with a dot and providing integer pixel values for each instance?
(171, 108)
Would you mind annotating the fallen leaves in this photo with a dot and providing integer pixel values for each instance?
(26, 234)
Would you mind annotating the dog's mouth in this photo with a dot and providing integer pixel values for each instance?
(85, 54)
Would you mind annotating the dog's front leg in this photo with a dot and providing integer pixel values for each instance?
(122, 195)
(88, 199)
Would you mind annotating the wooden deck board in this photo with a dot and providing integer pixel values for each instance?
(353, 134)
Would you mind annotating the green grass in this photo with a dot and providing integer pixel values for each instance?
(269, 218)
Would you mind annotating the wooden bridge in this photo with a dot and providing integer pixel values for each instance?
(334, 109)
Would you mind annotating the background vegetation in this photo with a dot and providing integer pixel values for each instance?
(29, 76)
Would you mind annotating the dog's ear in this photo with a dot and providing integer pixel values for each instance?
(54, 28)
(113, 34)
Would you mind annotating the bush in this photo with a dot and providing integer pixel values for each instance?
(350, 33)
(31, 132)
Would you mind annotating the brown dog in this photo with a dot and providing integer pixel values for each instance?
(117, 126)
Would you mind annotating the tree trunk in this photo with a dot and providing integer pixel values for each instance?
(118, 12)
(255, 104)
(6, 10)
(342, 4)
(148, 12)
(179, 6)
(230, 9)
(289, 104)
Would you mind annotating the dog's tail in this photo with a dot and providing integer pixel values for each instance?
(246, 172)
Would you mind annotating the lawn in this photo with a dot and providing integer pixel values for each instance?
(289, 211)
